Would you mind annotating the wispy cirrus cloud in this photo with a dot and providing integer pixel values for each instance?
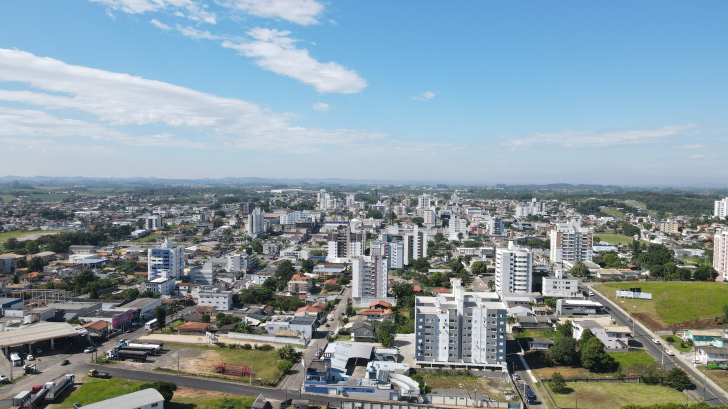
(590, 139)
(190, 9)
(425, 96)
(160, 25)
(303, 12)
(693, 146)
(320, 106)
(124, 106)
(275, 51)
(697, 156)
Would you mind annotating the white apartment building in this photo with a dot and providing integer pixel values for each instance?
(721, 208)
(326, 201)
(237, 262)
(560, 287)
(350, 199)
(571, 242)
(166, 261)
(496, 227)
(164, 286)
(369, 277)
(671, 226)
(153, 222)
(215, 297)
(424, 201)
(429, 216)
(393, 251)
(457, 226)
(256, 222)
(513, 270)
(204, 275)
(462, 329)
(720, 254)
(534, 207)
(291, 218)
(415, 244)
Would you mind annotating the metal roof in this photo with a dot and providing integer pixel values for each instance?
(39, 332)
(129, 401)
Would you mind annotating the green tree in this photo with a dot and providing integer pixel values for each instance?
(418, 220)
(479, 268)
(161, 315)
(285, 366)
(585, 337)
(491, 285)
(566, 329)
(205, 318)
(678, 379)
(166, 389)
(16, 279)
(557, 383)
(564, 351)
(704, 272)
(129, 294)
(725, 313)
(580, 270)
(375, 214)
(593, 356)
(36, 264)
(286, 353)
(94, 293)
(307, 266)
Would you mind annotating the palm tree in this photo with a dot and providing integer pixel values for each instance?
(491, 285)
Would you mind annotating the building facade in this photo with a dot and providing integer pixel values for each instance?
(166, 261)
(222, 300)
(560, 287)
(571, 242)
(513, 270)
(721, 208)
(462, 329)
(256, 225)
(720, 254)
(370, 276)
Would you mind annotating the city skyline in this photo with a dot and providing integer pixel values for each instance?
(614, 93)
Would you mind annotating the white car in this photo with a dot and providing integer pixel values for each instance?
(656, 341)
(30, 357)
(667, 351)
(89, 350)
(3, 378)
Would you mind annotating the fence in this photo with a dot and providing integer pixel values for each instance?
(262, 338)
(397, 405)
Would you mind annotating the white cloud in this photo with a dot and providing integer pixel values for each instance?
(195, 33)
(694, 146)
(195, 11)
(115, 100)
(303, 12)
(275, 51)
(159, 25)
(425, 96)
(697, 156)
(320, 106)
(588, 139)
(332, 21)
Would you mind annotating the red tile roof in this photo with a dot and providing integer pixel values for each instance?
(380, 303)
(441, 291)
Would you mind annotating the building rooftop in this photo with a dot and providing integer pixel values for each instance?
(129, 401)
(39, 332)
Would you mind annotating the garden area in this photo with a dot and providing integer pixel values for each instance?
(675, 305)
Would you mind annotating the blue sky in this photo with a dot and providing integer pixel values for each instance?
(509, 92)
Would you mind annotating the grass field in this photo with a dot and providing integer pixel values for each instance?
(18, 234)
(613, 239)
(607, 395)
(615, 212)
(538, 333)
(149, 239)
(184, 398)
(674, 305)
(677, 345)
(7, 198)
(719, 376)
(639, 357)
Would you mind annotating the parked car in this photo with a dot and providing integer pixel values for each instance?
(89, 350)
(517, 377)
(4, 378)
(30, 357)
(667, 351)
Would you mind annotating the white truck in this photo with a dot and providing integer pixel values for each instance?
(15, 359)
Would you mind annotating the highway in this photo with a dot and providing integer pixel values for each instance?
(713, 396)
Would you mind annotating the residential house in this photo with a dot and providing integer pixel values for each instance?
(540, 344)
(299, 284)
(702, 337)
(613, 337)
(361, 331)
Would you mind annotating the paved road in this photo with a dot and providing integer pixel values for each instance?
(712, 395)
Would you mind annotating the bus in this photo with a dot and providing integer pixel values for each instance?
(151, 325)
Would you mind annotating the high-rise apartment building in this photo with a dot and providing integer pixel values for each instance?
(256, 222)
(166, 261)
(457, 229)
(326, 201)
(496, 227)
(720, 253)
(153, 222)
(460, 329)
(369, 277)
(424, 201)
(721, 208)
(292, 217)
(393, 251)
(345, 244)
(415, 244)
(513, 270)
(429, 216)
(571, 242)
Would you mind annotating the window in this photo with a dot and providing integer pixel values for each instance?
(154, 405)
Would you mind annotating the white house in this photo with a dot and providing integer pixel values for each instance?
(164, 286)
(712, 354)
(613, 337)
(222, 300)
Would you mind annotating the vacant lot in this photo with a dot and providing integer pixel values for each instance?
(614, 239)
(493, 387)
(96, 390)
(537, 333)
(674, 305)
(635, 362)
(632, 358)
(22, 235)
(607, 395)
